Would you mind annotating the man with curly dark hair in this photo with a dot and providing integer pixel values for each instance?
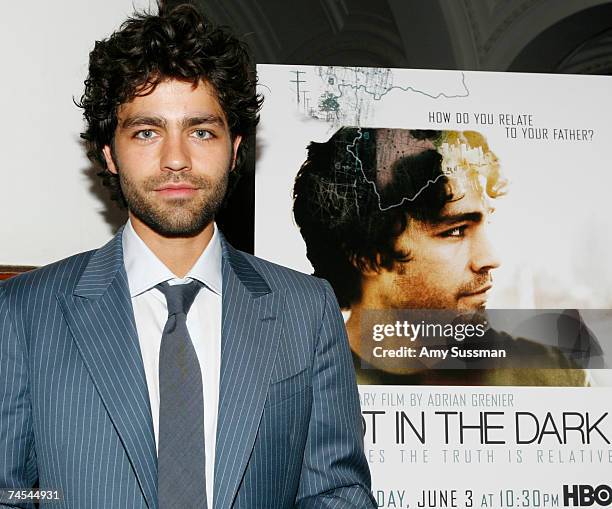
(396, 219)
(168, 369)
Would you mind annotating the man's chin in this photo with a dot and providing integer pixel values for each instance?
(473, 302)
(175, 227)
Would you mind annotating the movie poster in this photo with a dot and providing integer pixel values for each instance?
(463, 220)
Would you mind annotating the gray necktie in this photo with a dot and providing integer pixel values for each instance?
(181, 457)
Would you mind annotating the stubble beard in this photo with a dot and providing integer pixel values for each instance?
(176, 217)
(429, 297)
(481, 279)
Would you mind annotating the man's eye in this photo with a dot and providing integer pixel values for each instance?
(458, 231)
(202, 134)
(145, 134)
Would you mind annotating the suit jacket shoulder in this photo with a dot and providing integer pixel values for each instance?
(29, 291)
(296, 284)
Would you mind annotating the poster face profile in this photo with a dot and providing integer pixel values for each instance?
(463, 221)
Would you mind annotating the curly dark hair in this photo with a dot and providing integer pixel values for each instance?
(178, 43)
(350, 211)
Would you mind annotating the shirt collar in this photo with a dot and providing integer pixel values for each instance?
(144, 270)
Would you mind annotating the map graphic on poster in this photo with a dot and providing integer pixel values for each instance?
(346, 95)
(464, 223)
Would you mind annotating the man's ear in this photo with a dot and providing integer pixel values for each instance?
(108, 157)
(235, 146)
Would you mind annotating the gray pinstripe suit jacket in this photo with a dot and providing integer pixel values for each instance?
(74, 407)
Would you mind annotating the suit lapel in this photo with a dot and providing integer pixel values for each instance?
(249, 341)
(100, 317)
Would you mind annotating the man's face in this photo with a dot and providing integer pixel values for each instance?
(173, 152)
(450, 260)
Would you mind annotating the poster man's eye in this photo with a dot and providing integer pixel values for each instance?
(457, 231)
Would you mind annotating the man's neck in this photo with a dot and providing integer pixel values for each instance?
(179, 254)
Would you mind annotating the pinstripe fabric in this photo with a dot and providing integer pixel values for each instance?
(74, 409)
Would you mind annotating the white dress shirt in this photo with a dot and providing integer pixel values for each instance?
(144, 272)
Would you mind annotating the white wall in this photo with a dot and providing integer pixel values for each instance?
(48, 209)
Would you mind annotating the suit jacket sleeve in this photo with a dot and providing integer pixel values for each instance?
(17, 456)
(334, 473)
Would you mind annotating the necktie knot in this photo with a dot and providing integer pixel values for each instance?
(179, 297)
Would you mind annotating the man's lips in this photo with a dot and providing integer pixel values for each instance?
(479, 291)
(175, 186)
(176, 190)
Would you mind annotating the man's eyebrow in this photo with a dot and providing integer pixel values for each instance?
(143, 120)
(211, 119)
(470, 217)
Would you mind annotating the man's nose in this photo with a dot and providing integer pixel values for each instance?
(175, 155)
(484, 256)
